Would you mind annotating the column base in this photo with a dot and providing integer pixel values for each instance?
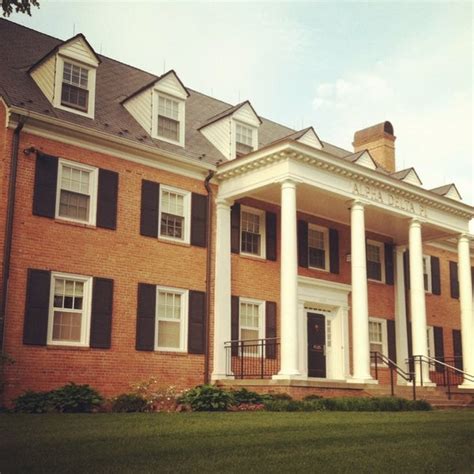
(217, 376)
(425, 384)
(288, 376)
(466, 386)
(364, 380)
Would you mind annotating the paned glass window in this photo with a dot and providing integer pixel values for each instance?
(169, 319)
(251, 233)
(75, 193)
(168, 118)
(243, 139)
(172, 214)
(374, 262)
(74, 92)
(317, 248)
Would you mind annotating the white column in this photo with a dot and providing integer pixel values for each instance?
(417, 299)
(360, 303)
(465, 301)
(400, 313)
(289, 283)
(222, 297)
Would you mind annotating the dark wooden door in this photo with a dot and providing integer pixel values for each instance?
(316, 345)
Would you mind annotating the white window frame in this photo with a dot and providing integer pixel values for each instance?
(261, 322)
(384, 335)
(234, 133)
(86, 304)
(325, 232)
(58, 86)
(181, 117)
(261, 214)
(186, 211)
(430, 341)
(427, 263)
(183, 333)
(381, 246)
(94, 172)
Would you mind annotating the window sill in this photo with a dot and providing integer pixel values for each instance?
(67, 347)
(249, 256)
(376, 281)
(164, 240)
(315, 269)
(58, 220)
(181, 353)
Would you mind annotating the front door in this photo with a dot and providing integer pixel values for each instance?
(316, 345)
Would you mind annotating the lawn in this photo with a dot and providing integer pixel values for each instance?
(440, 441)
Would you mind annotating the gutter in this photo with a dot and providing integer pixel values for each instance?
(9, 228)
(208, 275)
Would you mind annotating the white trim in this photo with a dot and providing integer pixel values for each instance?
(58, 83)
(183, 330)
(181, 117)
(430, 341)
(262, 225)
(383, 323)
(186, 214)
(325, 232)
(254, 129)
(93, 183)
(261, 315)
(86, 311)
(381, 246)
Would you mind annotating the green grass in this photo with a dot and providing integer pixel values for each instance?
(440, 441)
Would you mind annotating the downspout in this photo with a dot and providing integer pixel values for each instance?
(9, 228)
(208, 275)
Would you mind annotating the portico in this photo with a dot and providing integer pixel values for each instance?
(299, 178)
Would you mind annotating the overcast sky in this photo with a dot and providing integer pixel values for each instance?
(337, 66)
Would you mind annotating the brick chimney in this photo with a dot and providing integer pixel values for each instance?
(380, 141)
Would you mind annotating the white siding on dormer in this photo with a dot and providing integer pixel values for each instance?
(140, 107)
(171, 86)
(246, 115)
(219, 134)
(310, 139)
(366, 160)
(412, 178)
(43, 75)
(79, 51)
(453, 194)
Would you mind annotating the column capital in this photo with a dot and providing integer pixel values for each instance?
(356, 204)
(224, 203)
(463, 238)
(415, 222)
(288, 183)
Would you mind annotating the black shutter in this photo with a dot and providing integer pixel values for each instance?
(197, 322)
(457, 349)
(35, 327)
(101, 313)
(270, 329)
(302, 244)
(438, 346)
(392, 343)
(271, 235)
(406, 268)
(199, 220)
(46, 177)
(107, 199)
(435, 276)
(149, 208)
(235, 228)
(146, 308)
(388, 264)
(453, 279)
(234, 334)
(333, 251)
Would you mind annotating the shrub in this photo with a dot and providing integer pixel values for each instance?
(244, 396)
(33, 402)
(158, 397)
(207, 398)
(129, 403)
(72, 398)
(312, 397)
(277, 396)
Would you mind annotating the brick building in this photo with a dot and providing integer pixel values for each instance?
(151, 230)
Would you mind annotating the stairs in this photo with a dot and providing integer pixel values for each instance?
(436, 396)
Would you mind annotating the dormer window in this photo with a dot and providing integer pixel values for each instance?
(74, 91)
(168, 119)
(243, 140)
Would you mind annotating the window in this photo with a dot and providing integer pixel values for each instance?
(69, 319)
(252, 231)
(318, 247)
(168, 119)
(427, 273)
(243, 139)
(174, 214)
(171, 312)
(251, 324)
(375, 258)
(378, 335)
(76, 194)
(74, 92)
(430, 341)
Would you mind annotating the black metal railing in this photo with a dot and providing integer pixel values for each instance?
(381, 361)
(441, 373)
(252, 358)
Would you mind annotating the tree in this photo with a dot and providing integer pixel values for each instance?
(21, 6)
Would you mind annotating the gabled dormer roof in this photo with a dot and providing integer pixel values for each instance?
(362, 158)
(449, 191)
(307, 135)
(408, 175)
(228, 112)
(169, 82)
(77, 48)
